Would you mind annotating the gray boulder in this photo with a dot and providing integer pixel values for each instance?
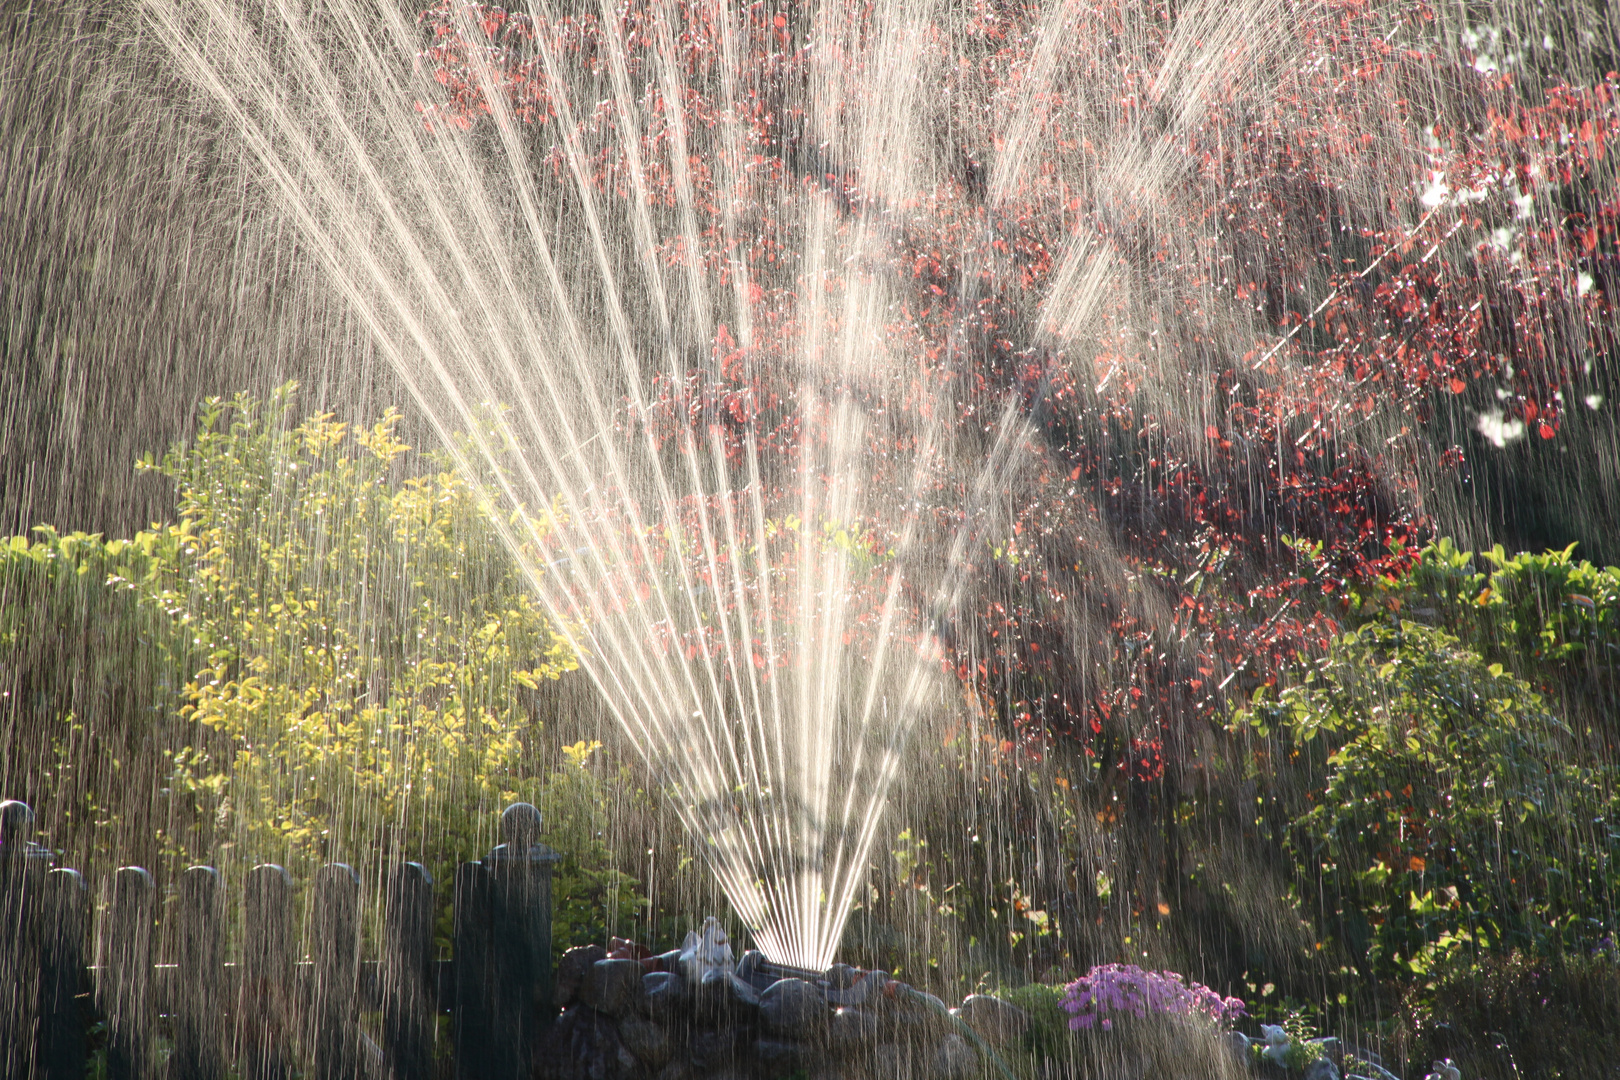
(721, 997)
(845, 988)
(922, 1015)
(995, 1021)
(612, 986)
(571, 969)
(781, 1056)
(851, 1029)
(743, 995)
(794, 1008)
(954, 1059)
(663, 995)
(1330, 1047)
(648, 1041)
(1321, 1069)
(891, 1060)
(842, 976)
(708, 1051)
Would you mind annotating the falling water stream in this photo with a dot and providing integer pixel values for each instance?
(749, 525)
(820, 367)
(760, 619)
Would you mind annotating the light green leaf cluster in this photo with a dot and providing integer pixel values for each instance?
(1456, 809)
(359, 640)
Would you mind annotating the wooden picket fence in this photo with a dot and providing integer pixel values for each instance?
(67, 985)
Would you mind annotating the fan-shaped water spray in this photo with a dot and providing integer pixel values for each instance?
(739, 561)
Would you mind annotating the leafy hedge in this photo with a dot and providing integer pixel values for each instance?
(331, 653)
(1455, 808)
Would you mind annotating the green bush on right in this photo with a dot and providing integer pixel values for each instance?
(1457, 811)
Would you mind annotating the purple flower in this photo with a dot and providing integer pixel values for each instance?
(1119, 988)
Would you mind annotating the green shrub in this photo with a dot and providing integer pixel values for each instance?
(1455, 813)
(1520, 1017)
(337, 651)
(359, 642)
(1549, 617)
(1048, 1022)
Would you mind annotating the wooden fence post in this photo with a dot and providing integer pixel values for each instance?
(265, 1015)
(22, 877)
(520, 870)
(124, 976)
(474, 1025)
(502, 967)
(335, 949)
(62, 1048)
(198, 1022)
(406, 971)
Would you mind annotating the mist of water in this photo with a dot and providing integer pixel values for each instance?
(755, 580)
(752, 592)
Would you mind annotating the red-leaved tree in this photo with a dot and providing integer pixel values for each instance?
(1240, 271)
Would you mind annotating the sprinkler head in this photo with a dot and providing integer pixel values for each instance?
(760, 972)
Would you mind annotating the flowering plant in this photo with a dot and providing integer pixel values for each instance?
(1126, 988)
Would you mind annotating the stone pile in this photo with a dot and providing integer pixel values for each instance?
(647, 1018)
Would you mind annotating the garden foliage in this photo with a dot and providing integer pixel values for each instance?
(359, 641)
(1455, 810)
(1111, 992)
(341, 656)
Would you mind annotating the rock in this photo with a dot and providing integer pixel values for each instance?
(711, 997)
(666, 961)
(1240, 1044)
(865, 989)
(749, 964)
(742, 994)
(894, 991)
(891, 1060)
(954, 1059)
(828, 1070)
(722, 994)
(707, 1051)
(1277, 1042)
(923, 1001)
(995, 1021)
(1330, 1047)
(1441, 1070)
(571, 969)
(1321, 1069)
(794, 1008)
(612, 986)
(584, 1045)
(780, 1056)
(842, 976)
(922, 1014)
(663, 995)
(648, 1041)
(675, 1070)
(850, 1029)
(556, 1057)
